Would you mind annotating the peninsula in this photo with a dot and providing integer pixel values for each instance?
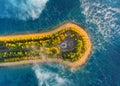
(67, 44)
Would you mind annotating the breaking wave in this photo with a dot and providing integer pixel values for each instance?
(22, 9)
(48, 77)
(104, 17)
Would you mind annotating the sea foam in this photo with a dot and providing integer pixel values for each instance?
(104, 17)
(50, 78)
(22, 9)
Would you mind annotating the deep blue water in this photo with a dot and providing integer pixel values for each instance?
(100, 18)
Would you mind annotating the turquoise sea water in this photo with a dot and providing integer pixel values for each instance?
(100, 18)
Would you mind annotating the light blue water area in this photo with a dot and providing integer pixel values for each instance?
(100, 18)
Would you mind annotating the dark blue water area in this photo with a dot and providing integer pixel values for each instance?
(17, 76)
(100, 18)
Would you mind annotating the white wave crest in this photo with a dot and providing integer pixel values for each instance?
(48, 78)
(22, 9)
(104, 16)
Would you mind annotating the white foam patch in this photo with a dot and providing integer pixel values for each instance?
(48, 78)
(104, 16)
(22, 9)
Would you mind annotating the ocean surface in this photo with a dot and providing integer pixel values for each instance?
(100, 18)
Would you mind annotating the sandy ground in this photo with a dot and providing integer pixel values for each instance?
(44, 59)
